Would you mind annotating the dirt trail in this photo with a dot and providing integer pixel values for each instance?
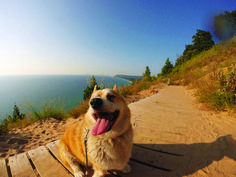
(193, 142)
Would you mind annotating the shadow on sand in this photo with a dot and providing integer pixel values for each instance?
(183, 159)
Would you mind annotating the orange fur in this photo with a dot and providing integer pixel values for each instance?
(108, 151)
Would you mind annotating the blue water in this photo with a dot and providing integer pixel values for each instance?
(40, 89)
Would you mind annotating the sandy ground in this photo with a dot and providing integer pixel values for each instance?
(197, 143)
(204, 142)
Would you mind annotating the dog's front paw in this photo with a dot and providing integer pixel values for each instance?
(98, 173)
(127, 169)
(79, 174)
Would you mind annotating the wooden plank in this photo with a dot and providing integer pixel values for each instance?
(150, 157)
(143, 162)
(46, 165)
(20, 166)
(53, 147)
(3, 168)
(139, 170)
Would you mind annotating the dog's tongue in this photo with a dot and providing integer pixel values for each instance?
(102, 125)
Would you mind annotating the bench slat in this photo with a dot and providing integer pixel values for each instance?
(138, 168)
(53, 147)
(20, 166)
(3, 168)
(46, 165)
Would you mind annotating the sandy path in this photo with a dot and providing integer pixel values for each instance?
(203, 143)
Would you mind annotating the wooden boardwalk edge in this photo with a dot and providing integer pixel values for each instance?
(44, 161)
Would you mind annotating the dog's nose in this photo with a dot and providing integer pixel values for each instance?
(96, 103)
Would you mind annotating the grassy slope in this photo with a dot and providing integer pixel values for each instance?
(200, 72)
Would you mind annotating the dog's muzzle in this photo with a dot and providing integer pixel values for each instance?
(96, 103)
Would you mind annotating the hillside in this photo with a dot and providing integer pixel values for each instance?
(128, 77)
(211, 73)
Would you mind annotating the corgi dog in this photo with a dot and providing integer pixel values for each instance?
(110, 135)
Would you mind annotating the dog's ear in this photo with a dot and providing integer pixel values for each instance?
(115, 88)
(95, 88)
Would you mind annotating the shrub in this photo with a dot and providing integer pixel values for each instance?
(216, 100)
(52, 109)
(134, 88)
(12, 121)
(81, 109)
(227, 84)
(126, 90)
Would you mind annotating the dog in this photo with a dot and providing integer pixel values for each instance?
(110, 137)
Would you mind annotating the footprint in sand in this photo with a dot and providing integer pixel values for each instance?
(13, 141)
(17, 141)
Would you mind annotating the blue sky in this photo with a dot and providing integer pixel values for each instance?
(100, 37)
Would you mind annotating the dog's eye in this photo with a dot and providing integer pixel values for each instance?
(110, 97)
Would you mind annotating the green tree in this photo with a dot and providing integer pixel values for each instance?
(167, 68)
(179, 61)
(89, 89)
(225, 25)
(202, 40)
(16, 115)
(147, 75)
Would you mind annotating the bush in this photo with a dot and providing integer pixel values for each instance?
(12, 121)
(220, 92)
(216, 100)
(134, 88)
(228, 88)
(52, 109)
(81, 109)
(126, 90)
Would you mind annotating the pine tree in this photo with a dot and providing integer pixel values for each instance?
(167, 68)
(89, 89)
(147, 75)
(16, 115)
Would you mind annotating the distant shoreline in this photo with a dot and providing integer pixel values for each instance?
(129, 78)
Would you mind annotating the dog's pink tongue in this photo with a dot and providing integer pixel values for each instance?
(101, 126)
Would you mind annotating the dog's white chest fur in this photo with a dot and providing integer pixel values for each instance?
(110, 153)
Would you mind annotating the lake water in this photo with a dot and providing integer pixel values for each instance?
(44, 88)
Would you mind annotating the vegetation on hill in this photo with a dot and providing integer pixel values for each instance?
(8, 122)
(225, 25)
(147, 75)
(167, 68)
(213, 74)
(208, 68)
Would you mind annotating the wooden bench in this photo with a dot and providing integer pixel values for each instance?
(44, 162)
